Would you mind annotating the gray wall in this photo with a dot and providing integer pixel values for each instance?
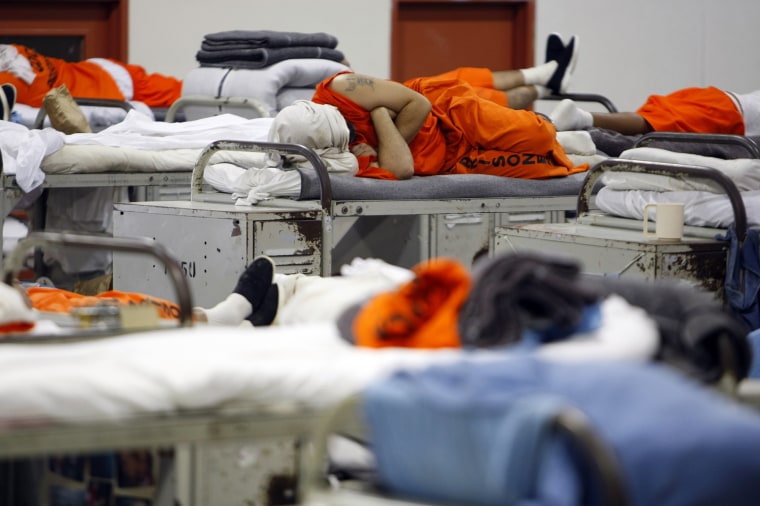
(629, 49)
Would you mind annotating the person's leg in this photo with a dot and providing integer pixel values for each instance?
(627, 123)
(524, 86)
(568, 116)
(524, 96)
(247, 298)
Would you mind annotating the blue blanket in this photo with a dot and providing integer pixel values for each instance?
(470, 432)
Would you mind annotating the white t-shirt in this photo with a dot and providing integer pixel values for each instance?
(749, 104)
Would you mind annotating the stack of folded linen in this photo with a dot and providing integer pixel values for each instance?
(253, 49)
(274, 69)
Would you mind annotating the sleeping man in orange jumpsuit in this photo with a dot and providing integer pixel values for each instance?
(462, 122)
(33, 75)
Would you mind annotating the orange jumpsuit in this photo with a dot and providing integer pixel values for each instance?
(465, 132)
(702, 110)
(87, 79)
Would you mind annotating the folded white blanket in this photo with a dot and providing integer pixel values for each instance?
(263, 84)
(744, 172)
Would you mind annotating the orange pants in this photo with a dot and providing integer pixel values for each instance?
(702, 110)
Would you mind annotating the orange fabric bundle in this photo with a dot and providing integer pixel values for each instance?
(56, 300)
(422, 313)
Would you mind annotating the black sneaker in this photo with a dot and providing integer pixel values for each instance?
(255, 281)
(554, 47)
(265, 314)
(565, 66)
(7, 101)
(10, 98)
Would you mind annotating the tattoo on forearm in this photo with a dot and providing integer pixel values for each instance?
(356, 82)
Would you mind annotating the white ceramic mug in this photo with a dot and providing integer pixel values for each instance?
(668, 221)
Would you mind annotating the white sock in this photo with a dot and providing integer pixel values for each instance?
(568, 116)
(231, 311)
(539, 74)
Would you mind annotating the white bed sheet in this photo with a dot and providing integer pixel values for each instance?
(701, 208)
(196, 368)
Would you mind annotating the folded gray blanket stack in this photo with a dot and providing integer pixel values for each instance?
(255, 49)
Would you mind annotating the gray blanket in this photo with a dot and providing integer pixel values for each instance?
(263, 57)
(267, 38)
(613, 144)
(439, 187)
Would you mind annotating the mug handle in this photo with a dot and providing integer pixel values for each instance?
(646, 221)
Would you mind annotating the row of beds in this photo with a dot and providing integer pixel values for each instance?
(294, 381)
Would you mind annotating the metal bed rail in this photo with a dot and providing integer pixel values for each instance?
(133, 245)
(651, 139)
(665, 169)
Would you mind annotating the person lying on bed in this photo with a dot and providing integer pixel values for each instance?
(465, 121)
(696, 110)
(34, 74)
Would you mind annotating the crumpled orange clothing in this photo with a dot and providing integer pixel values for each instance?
(422, 313)
(56, 300)
(86, 79)
(465, 133)
(700, 110)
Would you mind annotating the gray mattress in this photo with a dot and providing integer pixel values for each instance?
(463, 186)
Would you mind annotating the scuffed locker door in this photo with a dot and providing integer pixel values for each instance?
(211, 251)
(295, 246)
(616, 252)
(464, 237)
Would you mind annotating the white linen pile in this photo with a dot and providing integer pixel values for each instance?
(705, 202)
(137, 144)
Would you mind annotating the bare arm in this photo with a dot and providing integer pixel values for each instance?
(393, 153)
(408, 108)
